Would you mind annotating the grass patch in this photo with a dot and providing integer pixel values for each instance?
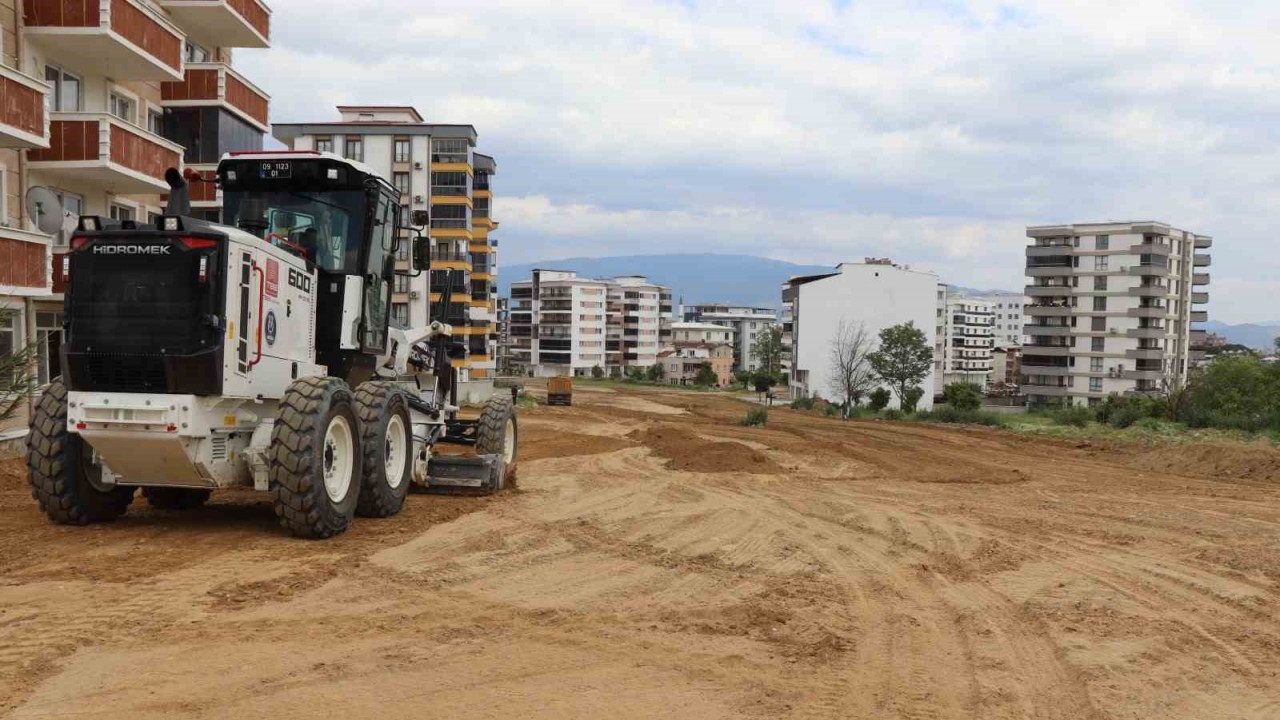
(756, 417)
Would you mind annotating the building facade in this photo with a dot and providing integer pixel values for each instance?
(965, 330)
(1009, 318)
(562, 324)
(436, 168)
(874, 295)
(682, 364)
(702, 333)
(1110, 309)
(101, 97)
(748, 322)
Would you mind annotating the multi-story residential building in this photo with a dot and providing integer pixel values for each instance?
(435, 167)
(1110, 308)
(100, 98)
(562, 324)
(1009, 318)
(965, 340)
(702, 333)
(682, 364)
(749, 322)
(1006, 367)
(502, 322)
(873, 295)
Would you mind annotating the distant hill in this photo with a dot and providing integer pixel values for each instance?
(697, 278)
(1260, 336)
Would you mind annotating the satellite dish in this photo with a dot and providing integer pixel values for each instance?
(45, 210)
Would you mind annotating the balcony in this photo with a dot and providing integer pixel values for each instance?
(121, 39)
(1198, 338)
(1152, 248)
(1149, 375)
(1149, 291)
(1048, 290)
(1036, 388)
(1148, 312)
(1202, 260)
(1047, 370)
(1047, 330)
(100, 151)
(26, 267)
(1048, 310)
(1199, 298)
(1047, 350)
(1145, 354)
(1049, 270)
(1200, 278)
(1149, 333)
(23, 121)
(1203, 243)
(1148, 269)
(1049, 250)
(1199, 316)
(223, 23)
(218, 85)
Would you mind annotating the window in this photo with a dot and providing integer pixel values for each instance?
(9, 339)
(355, 149)
(402, 283)
(49, 344)
(401, 181)
(1095, 364)
(1095, 384)
(402, 150)
(1104, 242)
(449, 183)
(1100, 282)
(324, 144)
(123, 107)
(1100, 262)
(120, 212)
(196, 53)
(400, 314)
(1098, 324)
(402, 249)
(66, 89)
(1099, 344)
(73, 208)
(155, 121)
(449, 150)
(1099, 304)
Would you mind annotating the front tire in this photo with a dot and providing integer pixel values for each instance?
(386, 448)
(62, 469)
(498, 434)
(315, 460)
(174, 498)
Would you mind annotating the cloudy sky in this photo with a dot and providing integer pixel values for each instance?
(820, 131)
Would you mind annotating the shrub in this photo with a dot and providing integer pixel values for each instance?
(1074, 415)
(949, 414)
(743, 378)
(756, 417)
(656, 373)
(879, 399)
(963, 396)
(803, 403)
(831, 410)
(911, 399)
(597, 372)
(891, 414)
(706, 377)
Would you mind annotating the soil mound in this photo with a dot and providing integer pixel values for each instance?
(687, 452)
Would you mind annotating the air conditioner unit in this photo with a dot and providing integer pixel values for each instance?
(417, 165)
(413, 294)
(419, 199)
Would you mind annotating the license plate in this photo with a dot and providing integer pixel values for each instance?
(275, 170)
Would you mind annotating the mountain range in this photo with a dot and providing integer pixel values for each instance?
(1261, 336)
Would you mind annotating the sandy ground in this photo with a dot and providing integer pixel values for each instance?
(659, 561)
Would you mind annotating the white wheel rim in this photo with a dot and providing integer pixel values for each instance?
(338, 459)
(396, 450)
(509, 442)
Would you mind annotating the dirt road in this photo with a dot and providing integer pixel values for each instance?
(661, 562)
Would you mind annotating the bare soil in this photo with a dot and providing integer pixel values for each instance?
(661, 561)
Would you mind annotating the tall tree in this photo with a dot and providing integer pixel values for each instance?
(903, 359)
(768, 349)
(850, 362)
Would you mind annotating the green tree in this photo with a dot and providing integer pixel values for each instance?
(18, 380)
(597, 372)
(963, 396)
(912, 398)
(768, 349)
(879, 399)
(762, 381)
(656, 372)
(903, 359)
(706, 376)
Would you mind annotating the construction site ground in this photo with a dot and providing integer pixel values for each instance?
(661, 561)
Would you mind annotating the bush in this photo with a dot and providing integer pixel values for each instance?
(891, 414)
(963, 396)
(911, 399)
(526, 400)
(706, 377)
(949, 414)
(656, 373)
(1074, 415)
(879, 399)
(615, 372)
(597, 372)
(831, 410)
(803, 403)
(1237, 392)
(756, 417)
(743, 378)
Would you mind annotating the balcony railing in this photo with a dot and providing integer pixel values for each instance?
(448, 224)
(101, 151)
(449, 190)
(224, 23)
(23, 120)
(1202, 260)
(26, 266)
(122, 39)
(218, 85)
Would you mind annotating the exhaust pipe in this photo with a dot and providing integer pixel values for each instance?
(179, 194)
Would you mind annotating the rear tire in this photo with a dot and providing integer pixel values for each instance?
(498, 434)
(315, 458)
(61, 470)
(386, 448)
(173, 498)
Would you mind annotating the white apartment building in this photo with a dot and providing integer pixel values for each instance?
(1110, 308)
(748, 322)
(696, 333)
(965, 340)
(1009, 317)
(876, 295)
(562, 324)
(436, 168)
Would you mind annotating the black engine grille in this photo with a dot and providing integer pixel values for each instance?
(120, 372)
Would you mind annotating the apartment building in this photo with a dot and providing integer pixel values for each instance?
(100, 98)
(562, 324)
(1009, 317)
(748, 322)
(436, 168)
(1110, 309)
(702, 333)
(875, 294)
(965, 330)
(682, 364)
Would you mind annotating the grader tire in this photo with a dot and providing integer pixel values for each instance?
(498, 433)
(386, 442)
(172, 498)
(314, 465)
(61, 471)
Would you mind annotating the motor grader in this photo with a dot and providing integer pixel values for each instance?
(257, 353)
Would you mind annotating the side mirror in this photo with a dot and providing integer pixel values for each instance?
(421, 253)
(420, 218)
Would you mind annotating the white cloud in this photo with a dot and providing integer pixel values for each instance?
(940, 127)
